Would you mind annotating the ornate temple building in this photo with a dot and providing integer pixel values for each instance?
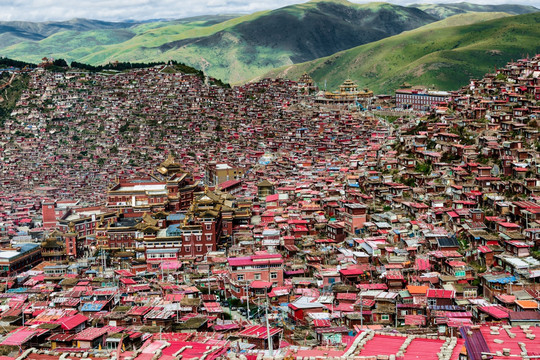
(306, 85)
(121, 234)
(60, 247)
(209, 222)
(348, 93)
(168, 188)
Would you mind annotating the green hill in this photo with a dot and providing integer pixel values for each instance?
(443, 11)
(437, 55)
(238, 48)
(241, 48)
(13, 32)
(232, 47)
(89, 36)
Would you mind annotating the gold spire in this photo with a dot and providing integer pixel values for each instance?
(169, 160)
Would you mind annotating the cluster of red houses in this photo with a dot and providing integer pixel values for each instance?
(274, 225)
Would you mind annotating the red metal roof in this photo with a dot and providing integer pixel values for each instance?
(71, 322)
(127, 281)
(213, 307)
(346, 296)
(258, 332)
(90, 334)
(440, 294)
(256, 260)
(259, 284)
(20, 336)
(139, 310)
(498, 312)
(321, 323)
(415, 320)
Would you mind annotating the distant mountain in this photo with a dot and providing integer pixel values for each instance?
(443, 11)
(231, 47)
(236, 49)
(437, 55)
(12, 32)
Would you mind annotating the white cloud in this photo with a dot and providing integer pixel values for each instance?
(50, 10)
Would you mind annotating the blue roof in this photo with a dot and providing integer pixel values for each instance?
(173, 230)
(92, 307)
(446, 308)
(504, 280)
(173, 217)
(17, 290)
(27, 247)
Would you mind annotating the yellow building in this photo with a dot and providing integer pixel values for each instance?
(219, 173)
(348, 93)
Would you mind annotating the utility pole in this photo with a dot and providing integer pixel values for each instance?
(208, 275)
(225, 295)
(361, 311)
(270, 345)
(247, 302)
(396, 314)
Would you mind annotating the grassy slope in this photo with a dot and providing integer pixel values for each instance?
(435, 55)
(446, 10)
(11, 94)
(100, 46)
(70, 45)
(239, 48)
(145, 44)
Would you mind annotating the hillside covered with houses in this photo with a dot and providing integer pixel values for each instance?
(152, 214)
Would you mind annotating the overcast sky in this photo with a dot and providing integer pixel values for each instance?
(117, 10)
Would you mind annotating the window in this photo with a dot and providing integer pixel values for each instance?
(208, 226)
(257, 276)
(385, 317)
(240, 277)
(273, 275)
(432, 302)
(199, 248)
(188, 249)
